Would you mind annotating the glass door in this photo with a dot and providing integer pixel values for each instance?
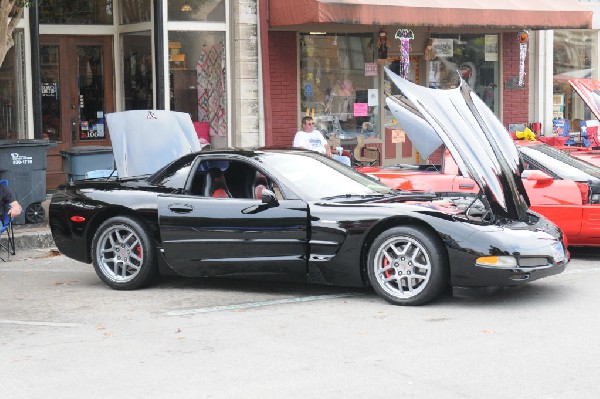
(77, 92)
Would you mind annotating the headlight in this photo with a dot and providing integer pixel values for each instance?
(500, 262)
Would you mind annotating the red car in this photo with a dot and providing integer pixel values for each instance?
(592, 157)
(560, 186)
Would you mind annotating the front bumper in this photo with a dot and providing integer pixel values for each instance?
(538, 254)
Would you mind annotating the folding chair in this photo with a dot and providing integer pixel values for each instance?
(562, 128)
(363, 155)
(589, 133)
(6, 244)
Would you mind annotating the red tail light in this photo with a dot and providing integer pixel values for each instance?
(77, 219)
(585, 193)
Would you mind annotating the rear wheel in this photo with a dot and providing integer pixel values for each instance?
(407, 265)
(124, 254)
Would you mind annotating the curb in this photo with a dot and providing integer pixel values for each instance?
(36, 239)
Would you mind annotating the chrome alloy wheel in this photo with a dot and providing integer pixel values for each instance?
(402, 267)
(119, 253)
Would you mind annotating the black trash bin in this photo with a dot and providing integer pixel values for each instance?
(84, 159)
(23, 164)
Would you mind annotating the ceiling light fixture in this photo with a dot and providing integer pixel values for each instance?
(186, 7)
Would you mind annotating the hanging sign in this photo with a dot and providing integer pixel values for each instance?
(405, 36)
(523, 41)
(371, 69)
(443, 47)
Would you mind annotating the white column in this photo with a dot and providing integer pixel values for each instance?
(245, 88)
(541, 72)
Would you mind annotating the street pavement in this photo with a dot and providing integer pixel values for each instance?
(63, 333)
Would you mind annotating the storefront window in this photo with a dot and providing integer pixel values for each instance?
(91, 92)
(572, 59)
(137, 70)
(197, 10)
(197, 79)
(135, 11)
(475, 57)
(448, 58)
(338, 83)
(50, 74)
(76, 12)
(12, 91)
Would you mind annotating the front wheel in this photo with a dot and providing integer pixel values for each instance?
(407, 265)
(124, 254)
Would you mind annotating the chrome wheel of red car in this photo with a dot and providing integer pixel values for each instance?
(123, 254)
(407, 266)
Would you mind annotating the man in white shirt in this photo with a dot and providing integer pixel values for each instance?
(312, 139)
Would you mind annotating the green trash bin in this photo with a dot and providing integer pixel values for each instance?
(23, 164)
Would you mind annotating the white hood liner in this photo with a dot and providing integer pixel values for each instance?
(474, 136)
(145, 141)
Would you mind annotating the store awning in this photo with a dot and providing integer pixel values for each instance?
(504, 14)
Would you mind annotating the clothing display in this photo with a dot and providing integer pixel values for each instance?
(212, 93)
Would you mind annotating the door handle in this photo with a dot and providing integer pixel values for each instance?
(180, 208)
(465, 185)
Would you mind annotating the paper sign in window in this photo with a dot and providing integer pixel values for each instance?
(398, 136)
(361, 109)
(373, 97)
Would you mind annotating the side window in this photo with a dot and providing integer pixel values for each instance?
(208, 179)
(176, 175)
(228, 179)
(529, 165)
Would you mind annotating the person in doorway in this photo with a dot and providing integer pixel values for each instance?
(8, 203)
(467, 72)
(312, 139)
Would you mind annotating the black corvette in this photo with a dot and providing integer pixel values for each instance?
(296, 213)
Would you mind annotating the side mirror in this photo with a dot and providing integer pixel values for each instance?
(374, 177)
(268, 197)
(541, 178)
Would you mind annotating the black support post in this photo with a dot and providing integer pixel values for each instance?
(159, 54)
(36, 82)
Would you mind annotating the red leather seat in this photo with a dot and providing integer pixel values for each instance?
(215, 185)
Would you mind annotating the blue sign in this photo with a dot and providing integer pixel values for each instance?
(308, 92)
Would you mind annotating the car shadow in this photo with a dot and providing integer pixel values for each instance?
(251, 285)
(526, 295)
(584, 252)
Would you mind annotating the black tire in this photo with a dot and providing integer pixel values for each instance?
(407, 265)
(124, 254)
(35, 213)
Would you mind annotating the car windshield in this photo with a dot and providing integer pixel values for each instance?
(558, 162)
(313, 176)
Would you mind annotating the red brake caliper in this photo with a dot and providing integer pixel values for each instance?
(386, 262)
(138, 251)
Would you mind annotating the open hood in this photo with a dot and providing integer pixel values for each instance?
(589, 91)
(476, 139)
(145, 141)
